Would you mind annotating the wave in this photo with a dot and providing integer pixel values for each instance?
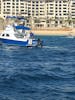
(6, 97)
(54, 47)
(52, 76)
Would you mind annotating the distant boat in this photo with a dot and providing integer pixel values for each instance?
(19, 35)
(70, 35)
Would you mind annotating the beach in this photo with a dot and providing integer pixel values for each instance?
(53, 31)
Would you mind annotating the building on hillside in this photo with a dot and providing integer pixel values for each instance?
(41, 13)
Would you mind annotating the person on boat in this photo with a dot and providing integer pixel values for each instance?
(31, 35)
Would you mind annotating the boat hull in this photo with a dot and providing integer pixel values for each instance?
(19, 43)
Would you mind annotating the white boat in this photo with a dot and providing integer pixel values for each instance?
(70, 35)
(18, 35)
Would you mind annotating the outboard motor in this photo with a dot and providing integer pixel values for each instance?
(39, 43)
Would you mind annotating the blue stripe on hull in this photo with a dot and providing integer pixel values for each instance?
(14, 42)
(20, 43)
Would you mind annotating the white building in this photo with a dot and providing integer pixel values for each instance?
(72, 12)
(41, 13)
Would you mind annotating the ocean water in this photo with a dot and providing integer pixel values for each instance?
(46, 73)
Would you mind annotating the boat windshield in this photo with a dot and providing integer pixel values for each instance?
(19, 35)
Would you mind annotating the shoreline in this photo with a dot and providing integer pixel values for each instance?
(54, 32)
(45, 32)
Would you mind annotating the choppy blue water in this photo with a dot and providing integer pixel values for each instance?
(46, 73)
